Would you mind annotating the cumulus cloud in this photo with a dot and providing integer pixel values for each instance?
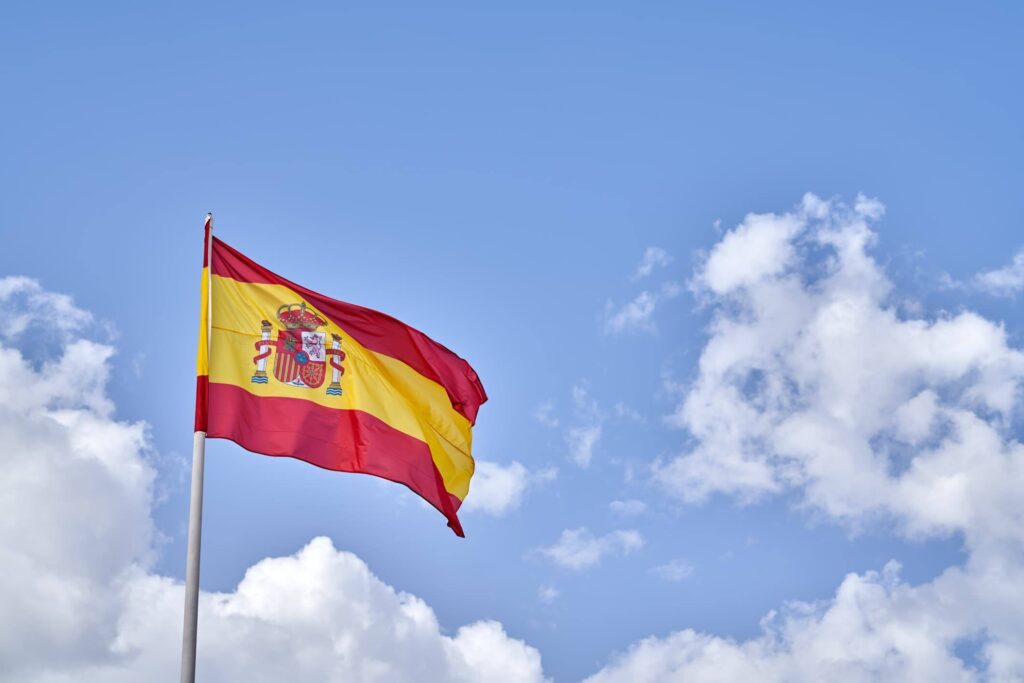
(579, 549)
(654, 257)
(319, 615)
(81, 602)
(875, 628)
(760, 247)
(499, 489)
(24, 303)
(1005, 281)
(74, 509)
(813, 380)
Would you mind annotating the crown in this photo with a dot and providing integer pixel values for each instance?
(296, 317)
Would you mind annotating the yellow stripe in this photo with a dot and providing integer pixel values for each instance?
(375, 383)
(202, 362)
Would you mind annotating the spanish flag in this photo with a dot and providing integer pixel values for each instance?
(285, 371)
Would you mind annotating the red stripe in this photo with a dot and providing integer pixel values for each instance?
(340, 440)
(202, 389)
(375, 331)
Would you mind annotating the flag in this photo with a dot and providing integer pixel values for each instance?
(291, 372)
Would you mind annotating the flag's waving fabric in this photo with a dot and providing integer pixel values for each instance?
(291, 372)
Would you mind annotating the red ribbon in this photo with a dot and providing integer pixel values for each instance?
(263, 352)
(336, 356)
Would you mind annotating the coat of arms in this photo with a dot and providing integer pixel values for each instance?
(302, 354)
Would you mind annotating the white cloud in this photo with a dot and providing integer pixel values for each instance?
(869, 207)
(317, 615)
(548, 594)
(545, 414)
(654, 257)
(1005, 281)
(320, 615)
(74, 510)
(875, 628)
(578, 549)
(675, 571)
(628, 508)
(587, 429)
(24, 304)
(813, 380)
(583, 437)
(759, 247)
(80, 602)
(585, 404)
(633, 316)
(915, 418)
(582, 441)
(497, 489)
(638, 314)
(625, 412)
(545, 475)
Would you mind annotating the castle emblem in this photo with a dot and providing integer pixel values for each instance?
(302, 355)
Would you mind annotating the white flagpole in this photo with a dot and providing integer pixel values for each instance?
(195, 510)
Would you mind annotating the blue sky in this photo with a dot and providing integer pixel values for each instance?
(494, 177)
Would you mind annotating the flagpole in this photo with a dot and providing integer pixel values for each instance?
(195, 510)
